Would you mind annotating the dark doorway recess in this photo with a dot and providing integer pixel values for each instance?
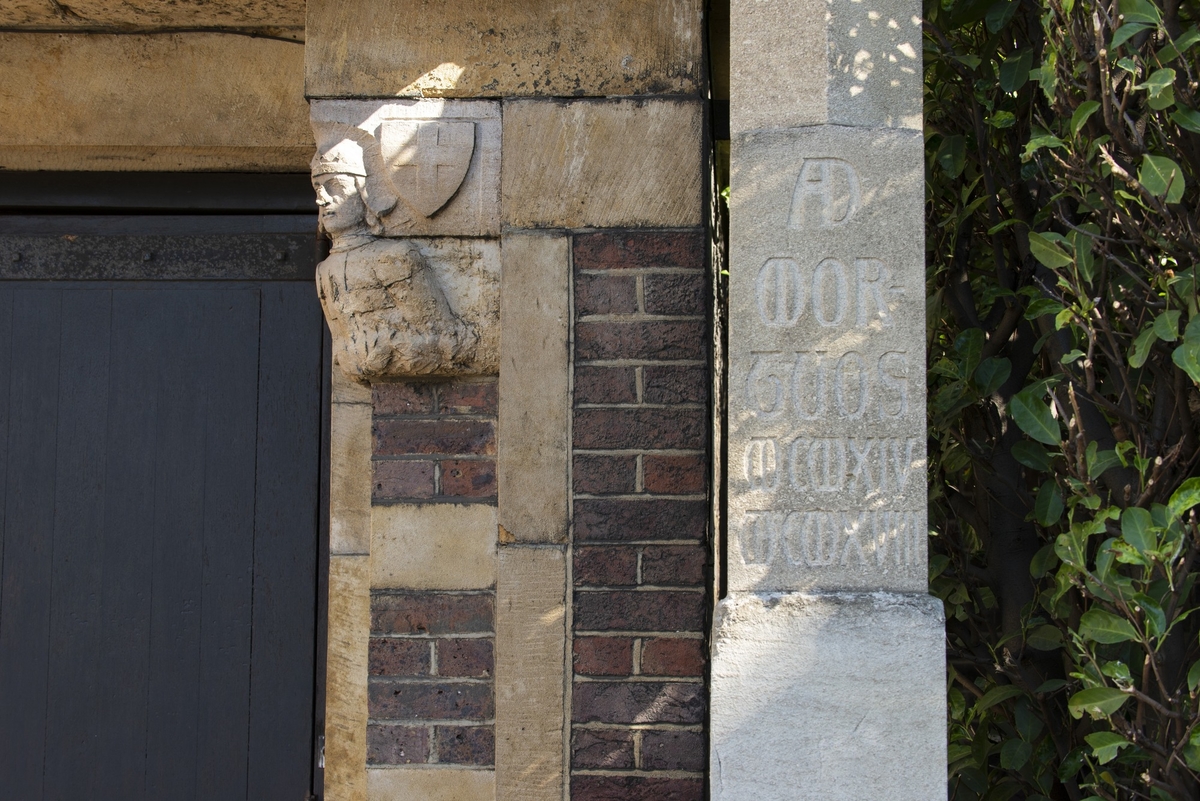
(162, 557)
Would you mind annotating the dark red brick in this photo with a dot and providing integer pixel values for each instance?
(392, 657)
(676, 293)
(610, 250)
(668, 383)
(629, 610)
(670, 656)
(605, 385)
(602, 749)
(396, 745)
(430, 613)
(651, 519)
(459, 397)
(605, 566)
(469, 478)
(402, 478)
(662, 339)
(640, 428)
(605, 294)
(466, 658)
(465, 745)
(674, 565)
(674, 475)
(603, 656)
(428, 700)
(402, 398)
(673, 750)
(637, 702)
(635, 788)
(596, 475)
(401, 437)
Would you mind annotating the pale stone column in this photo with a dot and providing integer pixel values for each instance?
(828, 664)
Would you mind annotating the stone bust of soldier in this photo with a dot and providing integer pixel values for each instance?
(387, 311)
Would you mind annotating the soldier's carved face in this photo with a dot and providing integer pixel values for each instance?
(342, 207)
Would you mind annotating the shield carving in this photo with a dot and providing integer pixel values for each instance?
(426, 160)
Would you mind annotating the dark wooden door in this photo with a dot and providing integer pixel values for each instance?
(160, 460)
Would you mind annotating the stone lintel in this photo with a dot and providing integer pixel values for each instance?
(503, 48)
(90, 14)
(433, 546)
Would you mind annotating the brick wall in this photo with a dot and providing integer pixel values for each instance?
(640, 552)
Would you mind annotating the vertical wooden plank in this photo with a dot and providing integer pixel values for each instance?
(123, 657)
(176, 543)
(228, 362)
(285, 552)
(77, 580)
(28, 528)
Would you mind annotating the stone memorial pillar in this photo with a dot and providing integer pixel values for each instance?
(828, 666)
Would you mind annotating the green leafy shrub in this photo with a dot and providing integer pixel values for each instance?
(1064, 349)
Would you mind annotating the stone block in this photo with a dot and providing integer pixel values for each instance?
(437, 546)
(346, 678)
(836, 697)
(530, 673)
(431, 167)
(827, 355)
(848, 63)
(350, 478)
(533, 446)
(430, 783)
(502, 48)
(603, 163)
(179, 102)
(346, 390)
(269, 14)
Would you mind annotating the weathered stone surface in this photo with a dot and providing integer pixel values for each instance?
(349, 478)
(849, 63)
(827, 346)
(403, 307)
(167, 102)
(602, 163)
(502, 48)
(212, 13)
(346, 678)
(430, 783)
(346, 390)
(530, 653)
(534, 412)
(437, 546)
(828, 698)
(429, 167)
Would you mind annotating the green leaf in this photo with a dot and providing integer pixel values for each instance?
(1162, 100)
(1156, 619)
(1098, 461)
(1072, 357)
(1128, 30)
(1158, 81)
(1162, 177)
(1180, 45)
(1045, 638)
(991, 373)
(1136, 528)
(1105, 745)
(1166, 326)
(1139, 11)
(1099, 702)
(1042, 306)
(1046, 251)
(1039, 141)
(1194, 677)
(1187, 358)
(1014, 72)
(1031, 456)
(1085, 261)
(1002, 119)
(1014, 754)
(951, 155)
(968, 344)
(999, 693)
(1184, 498)
(1034, 417)
(1000, 14)
(1105, 627)
(1141, 347)
(1188, 119)
(1048, 508)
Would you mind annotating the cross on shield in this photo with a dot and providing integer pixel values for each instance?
(426, 160)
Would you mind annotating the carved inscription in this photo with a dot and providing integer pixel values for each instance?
(867, 465)
(828, 292)
(814, 385)
(827, 194)
(819, 538)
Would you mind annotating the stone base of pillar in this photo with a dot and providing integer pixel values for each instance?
(828, 697)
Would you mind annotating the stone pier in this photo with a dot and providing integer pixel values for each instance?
(827, 673)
